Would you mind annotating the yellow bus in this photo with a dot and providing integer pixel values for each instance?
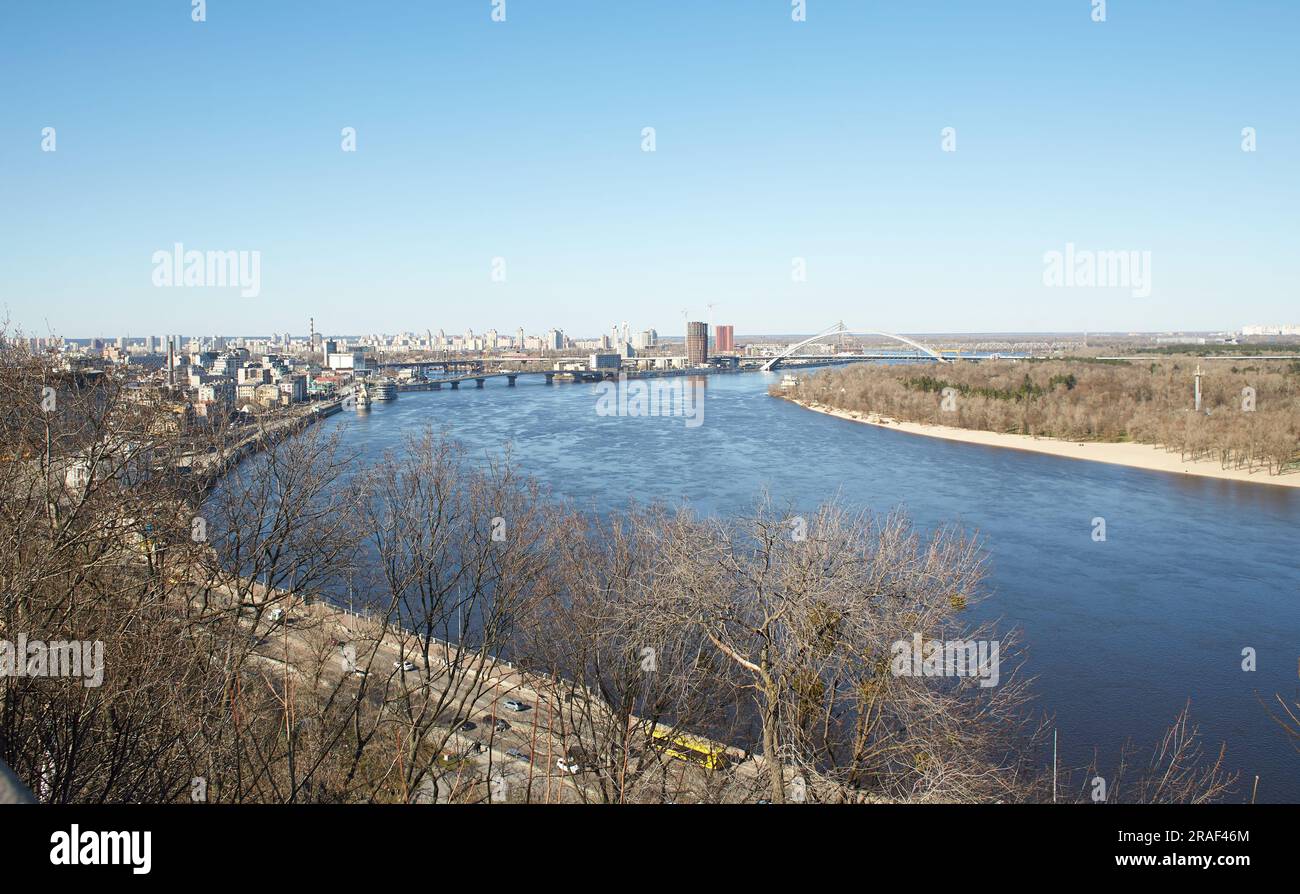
(684, 747)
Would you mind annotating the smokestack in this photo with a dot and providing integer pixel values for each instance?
(171, 363)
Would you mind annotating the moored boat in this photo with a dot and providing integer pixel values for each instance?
(385, 389)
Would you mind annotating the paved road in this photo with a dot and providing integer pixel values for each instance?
(475, 686)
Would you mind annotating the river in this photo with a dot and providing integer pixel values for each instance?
(1120, 634)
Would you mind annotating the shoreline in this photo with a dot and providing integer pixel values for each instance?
(1126, 453)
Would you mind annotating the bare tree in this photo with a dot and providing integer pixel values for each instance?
(624, 679)
(457, 552)
(809, 610)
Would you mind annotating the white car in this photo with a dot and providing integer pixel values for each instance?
(574, 763)
(407, 666)
(514, 705)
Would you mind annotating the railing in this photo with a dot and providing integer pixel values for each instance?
(12, 790)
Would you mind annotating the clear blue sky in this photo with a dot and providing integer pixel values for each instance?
(522, 140)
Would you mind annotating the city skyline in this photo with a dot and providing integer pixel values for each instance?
(1274, 328)
(897, 171)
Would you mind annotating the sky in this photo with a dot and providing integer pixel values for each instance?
(500, 177)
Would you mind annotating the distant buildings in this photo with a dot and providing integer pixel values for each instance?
(213, 378)
(216, 398)
(253, 374)
(697, 343)
(346, 360)
(293, 389)
(724, 338)
(266, 394)
(1283, 329)
(604, 362)
(37, 345)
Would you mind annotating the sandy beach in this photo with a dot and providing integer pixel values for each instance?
(1137, 456)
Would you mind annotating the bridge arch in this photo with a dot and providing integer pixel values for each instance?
(841, 329)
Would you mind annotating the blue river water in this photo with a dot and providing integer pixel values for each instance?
(1120, 634)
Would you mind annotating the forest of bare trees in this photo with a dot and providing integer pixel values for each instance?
(1249, 419)
(312, 631)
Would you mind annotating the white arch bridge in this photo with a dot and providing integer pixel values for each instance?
(841, 329)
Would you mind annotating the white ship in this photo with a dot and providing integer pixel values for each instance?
(385, 389)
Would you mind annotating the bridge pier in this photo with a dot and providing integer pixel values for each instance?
(510, 380)
(550, 378)
(480, 383)
(437, 386)
(455, 385)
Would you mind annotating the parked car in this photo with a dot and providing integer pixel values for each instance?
(407, 666)
(501, 726)
(514, 705)
(518, 755)
(463, 725)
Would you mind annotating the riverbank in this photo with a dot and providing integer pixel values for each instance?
(292, 634)
(210, 467)
(1136, 456)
